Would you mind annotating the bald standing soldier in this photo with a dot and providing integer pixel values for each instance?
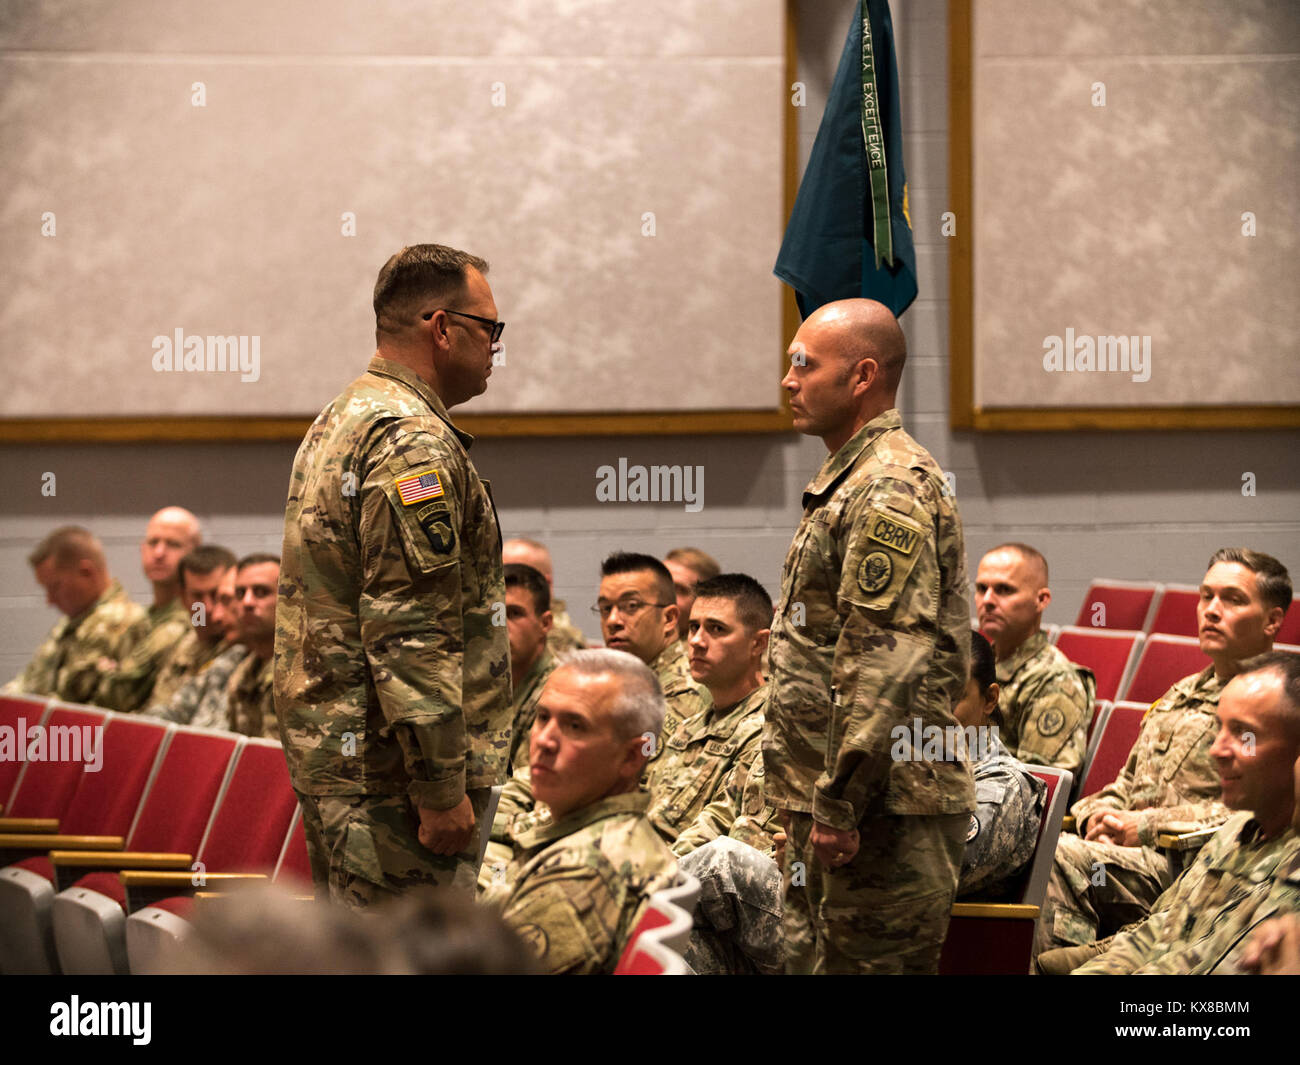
(1045, 699)
(392, 683)
(101, 621)
(871, 633)
(128, 684)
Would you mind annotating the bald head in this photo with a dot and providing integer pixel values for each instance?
(171, 534)
(525, 552)
(865, 329)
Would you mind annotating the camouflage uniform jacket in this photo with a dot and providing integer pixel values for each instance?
(579, 886)
(740, 811)
(129, 686)
(697, 760)
(190, 657)
(250, 698)
(1169, 775)
(565, 635)
(1205, 917)
(390, 676)
(1003, 829)
(525, 707)
(684, 695)
(1047, 704)
(201, 702)
(871, 633)
(66, 664)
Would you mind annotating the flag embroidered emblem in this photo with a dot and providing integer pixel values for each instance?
(419, 486)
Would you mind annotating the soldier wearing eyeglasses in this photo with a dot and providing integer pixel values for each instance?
(392, 681)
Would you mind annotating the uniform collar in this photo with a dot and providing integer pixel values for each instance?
(633, 802)
(1008, 667)
(417, 384)
(836, 465)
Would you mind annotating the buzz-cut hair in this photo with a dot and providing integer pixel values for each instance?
(1286, 664)
(704, 564)
(1271, 577)
(68, 545)
(630, 562)
(753, 604)
(519, 575)
(1031, 554)
(256, 559)
(205, 559)
(418, 274)
(638, 708)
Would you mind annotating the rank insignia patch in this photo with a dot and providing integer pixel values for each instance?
(419, 486)
(875, 572)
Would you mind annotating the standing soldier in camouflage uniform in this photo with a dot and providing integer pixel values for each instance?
(202, 571)
(730, 625)
(1046, 700)
(1003, 830)
(170, 535)
(583, 877)
(102, 621)
(250, 693)
(1250, 870)
(392, 684)
(564, 635)
(1109, 874)
(871, 632)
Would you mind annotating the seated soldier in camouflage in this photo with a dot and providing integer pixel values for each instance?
(584, 874)
(1249, 872)
(101, 621)
(203, 571)
(1004, 827)
(1046, 699)
(564, 635)
(250, 694)
(1109, 874)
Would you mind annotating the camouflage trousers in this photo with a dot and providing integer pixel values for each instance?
(1096, 889)
(887, 910)
(365, 849)
(738, 918)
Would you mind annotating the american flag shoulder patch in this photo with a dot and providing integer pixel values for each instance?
(419, 486)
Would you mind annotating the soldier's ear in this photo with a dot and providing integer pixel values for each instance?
(547, 620)
(760, 641)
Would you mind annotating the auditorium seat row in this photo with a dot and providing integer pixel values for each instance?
(170, 810)
(1150, 607)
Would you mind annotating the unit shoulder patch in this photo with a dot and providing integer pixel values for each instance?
(875, 572)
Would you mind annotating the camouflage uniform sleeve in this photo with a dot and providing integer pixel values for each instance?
(80, 675)
(1055, 731)
(1002, 830)
(567, 912)
(411, 614)
(720, 814)
(37, 677)
(128, 687)
(881, 656)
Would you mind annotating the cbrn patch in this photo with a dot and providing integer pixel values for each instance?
(893, 532)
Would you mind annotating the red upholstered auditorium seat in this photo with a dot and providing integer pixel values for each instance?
(246, 835)
(994, 939)
(18, 713)
(1164, 660)
(176, 810)
(1175, 613)
(45, 787)
(1109, 653)
(1114, 743)
(1112, 604)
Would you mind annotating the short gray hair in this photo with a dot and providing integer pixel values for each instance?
(638, 708)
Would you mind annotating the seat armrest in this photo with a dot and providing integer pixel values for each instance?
(1069, 824)
(71, 865)
(29, 824)
(1016, 911)
(15, 846)
(147, 886)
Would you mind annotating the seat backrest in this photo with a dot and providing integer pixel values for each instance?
(1164, 661)
(195, 763)
(1100, 714)
(1289, 633)
(294, 867)
(1112, 604)
(1109, 653)
(1175, 613)
(106, 800)
(18, 713)
(252, 818)
(1056, 803)
(49, 777)
(1114, 742)
(661, 933)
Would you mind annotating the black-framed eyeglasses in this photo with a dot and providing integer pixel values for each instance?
(497, 327)
(629, 608)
